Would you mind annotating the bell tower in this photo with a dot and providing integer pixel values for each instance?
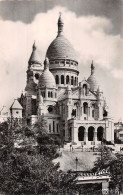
(35, 69)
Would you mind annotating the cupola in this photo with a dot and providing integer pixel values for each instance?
(92, 79)
(34, 58)
(46, 79)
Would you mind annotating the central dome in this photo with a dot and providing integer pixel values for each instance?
(61, 48)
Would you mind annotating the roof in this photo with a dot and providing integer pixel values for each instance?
(16, 105)
(92, 79)
(46, 79)
(93, 82)
(34, 58)
(61, 48)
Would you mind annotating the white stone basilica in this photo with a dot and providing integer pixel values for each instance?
(76, 112)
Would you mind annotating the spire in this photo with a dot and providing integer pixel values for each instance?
(34, 46)
(105, 104)
(92, 68)
(46, 63)
(60, 25)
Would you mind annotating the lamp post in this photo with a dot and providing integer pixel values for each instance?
(70, 147)
(76, 162)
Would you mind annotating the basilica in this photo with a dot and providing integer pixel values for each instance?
(76, 112)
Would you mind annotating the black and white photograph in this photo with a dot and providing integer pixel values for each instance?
(61, 104)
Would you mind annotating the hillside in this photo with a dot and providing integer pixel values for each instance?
(67, 160)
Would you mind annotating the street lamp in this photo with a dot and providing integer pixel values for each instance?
(76, 162)
(82, 146)
(70, 147)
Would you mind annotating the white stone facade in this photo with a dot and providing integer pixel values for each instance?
(76, 112)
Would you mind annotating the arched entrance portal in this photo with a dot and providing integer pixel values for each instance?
(81, 132)
(100, 131)
(91, 133)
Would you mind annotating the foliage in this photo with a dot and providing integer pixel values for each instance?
(46, 144)
(105, 159)
(111, 161)
(26, 161)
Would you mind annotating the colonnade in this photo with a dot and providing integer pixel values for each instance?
(66, 79)
(90, 134)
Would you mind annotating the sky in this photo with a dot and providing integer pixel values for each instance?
(94, 27)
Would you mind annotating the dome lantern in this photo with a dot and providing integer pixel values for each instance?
(92, 68)
(46, 63)
(60, 25)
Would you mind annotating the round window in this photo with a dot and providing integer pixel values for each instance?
(37, 76)
(50, 109)
(17, 112)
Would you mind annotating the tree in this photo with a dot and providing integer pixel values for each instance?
(26, 169)
(47, 145)
(114, 164)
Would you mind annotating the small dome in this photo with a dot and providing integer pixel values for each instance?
(92, 79)
(34, 58)
(46, 79)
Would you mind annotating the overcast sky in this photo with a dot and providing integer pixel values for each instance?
(94, 27)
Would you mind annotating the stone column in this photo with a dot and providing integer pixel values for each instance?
(105, 188)
(82, 110)
(90, 112)
(64, 78)
(95, 135)
(86, 136)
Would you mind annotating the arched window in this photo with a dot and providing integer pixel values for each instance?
(85, 108)
(51, 94)
(37, 76)
(85, 89)
(48, 93)
(62, 79)
(71, 80)
(100, 133)
(91, 134)
(67, 79)
(57, 79)
(81, 133)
